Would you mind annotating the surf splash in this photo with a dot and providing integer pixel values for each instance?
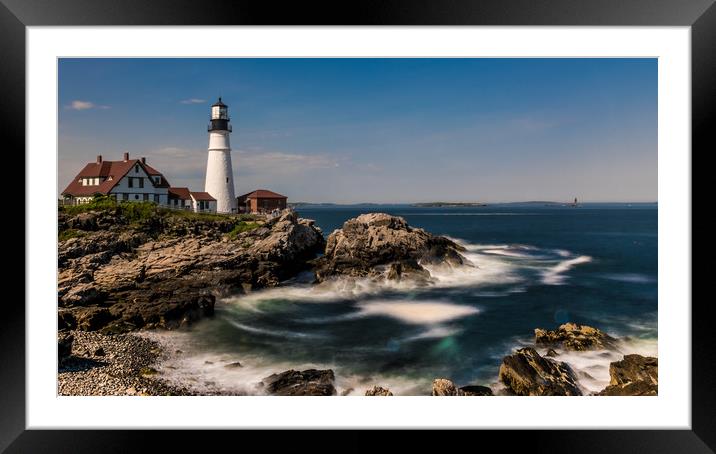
(395, 334)
(417, 313)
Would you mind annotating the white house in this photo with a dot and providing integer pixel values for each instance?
(128, 179)
(203, 202)
(180, 198)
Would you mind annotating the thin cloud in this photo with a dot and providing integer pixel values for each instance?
(85, 105)
(184, 163)
(193, 101)
(280, 163)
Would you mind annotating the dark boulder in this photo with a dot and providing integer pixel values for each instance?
(444, 387)
(572, 336)
(378, 391)
(635, 375)
(475, 390)
(66, 320)
(64, 346)
(311, 382)
(93, 318)
(381, 245)
(526, 373)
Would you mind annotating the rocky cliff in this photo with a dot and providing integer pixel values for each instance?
(379, 245)
(119, 271)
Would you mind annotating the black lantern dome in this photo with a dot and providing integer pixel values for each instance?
(219, 117)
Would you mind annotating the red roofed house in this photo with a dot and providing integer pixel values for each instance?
(128, 179)
(261, 201)
(202, 202)
(180, 198)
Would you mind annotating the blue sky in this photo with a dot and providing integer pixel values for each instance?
(376, 130)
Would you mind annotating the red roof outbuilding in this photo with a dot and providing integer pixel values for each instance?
(262, 194)
(202, 196)
(179, 193)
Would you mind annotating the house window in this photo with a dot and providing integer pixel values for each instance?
(136, 168)
(125, 196)
(136, 196)
(145, 196)
(227, 179)
(156, 198)
(158, 180)
(141, 182)
(130, 182)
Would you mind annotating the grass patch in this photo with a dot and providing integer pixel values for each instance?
(70, 233)
(242, 227)
(186, 214)
(138, 212)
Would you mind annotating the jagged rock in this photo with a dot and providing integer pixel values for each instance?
(526, 373)
(407, 269)
(634, 375)
(551, 353)
(311, 382)
(575, 337)
(81, 294)
(93, 318)
(66, 320)
(444, 387)
(233, 365)
(64, 346)
(378, 391)
(474, 390)
(378, 244)
(167, 271)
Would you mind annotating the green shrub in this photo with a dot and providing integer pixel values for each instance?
(99, 202)
(138, 211)
(242, 227)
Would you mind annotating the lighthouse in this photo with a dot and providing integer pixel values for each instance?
(219, 173)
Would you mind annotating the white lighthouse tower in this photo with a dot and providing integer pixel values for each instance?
(219, 173)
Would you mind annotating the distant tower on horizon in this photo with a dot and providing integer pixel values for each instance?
(219, 172)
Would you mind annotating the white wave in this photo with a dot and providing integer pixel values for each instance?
(506, 253)
(633, 278)
(417, 313)
(494, 264)
(592, 367)
(555, 274)
(275, 333)
(488, 270)
(206, 372)
(434, 333)
(357, 385)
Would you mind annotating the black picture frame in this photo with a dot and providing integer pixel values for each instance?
(16, 15)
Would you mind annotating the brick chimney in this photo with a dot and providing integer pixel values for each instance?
(144, 160)
(126, 156)
(99, 159)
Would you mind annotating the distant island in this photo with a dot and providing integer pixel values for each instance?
(449, 204)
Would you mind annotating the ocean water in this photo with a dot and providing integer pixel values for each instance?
(535, 266)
